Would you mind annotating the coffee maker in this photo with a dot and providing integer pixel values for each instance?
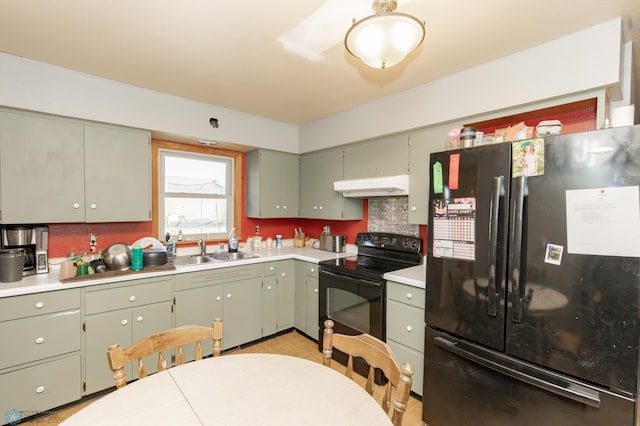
(33, 240)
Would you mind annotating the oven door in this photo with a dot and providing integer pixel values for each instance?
(356, 305)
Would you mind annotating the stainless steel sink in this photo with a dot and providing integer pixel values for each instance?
(225, 256)
(193, 260)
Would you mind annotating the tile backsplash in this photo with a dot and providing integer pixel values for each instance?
(391, 214)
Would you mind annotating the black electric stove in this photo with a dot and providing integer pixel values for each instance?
(353, 289)
(378, 253)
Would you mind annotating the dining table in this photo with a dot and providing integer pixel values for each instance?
(240, 389)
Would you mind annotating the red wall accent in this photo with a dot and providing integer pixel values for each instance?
(65, 238)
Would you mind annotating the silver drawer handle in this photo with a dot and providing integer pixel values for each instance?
(124, 322)
(268, 287)
(271, 268)
(40, 340)
(40, 389)
(93, 206)
(413, 208)
(409, 295)
(284, 274)
(315, 290)
(132, 299)
(218, 298)
(39, 305)
(312, 270)
(139, 319)
(229, 296)
(76, 205)
(409, 328)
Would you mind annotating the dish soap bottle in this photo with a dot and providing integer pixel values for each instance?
(233, 241)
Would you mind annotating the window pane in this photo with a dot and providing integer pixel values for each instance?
(193, 176)
(195, 215)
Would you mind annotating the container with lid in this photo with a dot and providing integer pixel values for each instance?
(467, 137)
(11, 264)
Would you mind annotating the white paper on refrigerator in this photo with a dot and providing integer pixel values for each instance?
(604, 221)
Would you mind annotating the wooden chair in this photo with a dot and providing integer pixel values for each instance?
(160, 342)
(378, 355)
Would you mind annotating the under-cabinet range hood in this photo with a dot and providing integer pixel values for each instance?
(384, 186)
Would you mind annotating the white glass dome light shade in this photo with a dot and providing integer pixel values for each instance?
(384, 39)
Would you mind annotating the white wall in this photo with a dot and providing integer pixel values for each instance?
(37, 86)
(579, 62)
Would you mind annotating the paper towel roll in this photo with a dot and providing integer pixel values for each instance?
(622, 116)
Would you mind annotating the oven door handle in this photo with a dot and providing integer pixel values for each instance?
(364, 281)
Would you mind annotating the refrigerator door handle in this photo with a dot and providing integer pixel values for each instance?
(497, 192)
(523, 373)
(517, 288)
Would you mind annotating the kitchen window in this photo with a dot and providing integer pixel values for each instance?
(196, 194)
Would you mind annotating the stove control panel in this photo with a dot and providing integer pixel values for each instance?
(389, 241)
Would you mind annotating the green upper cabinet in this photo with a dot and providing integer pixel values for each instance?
(318, 200)
(41, 169)
(117, 174)
(387, 156)
(422, 144)
(55, 170)
(272, 184)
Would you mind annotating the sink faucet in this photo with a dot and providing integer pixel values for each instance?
(203, 247)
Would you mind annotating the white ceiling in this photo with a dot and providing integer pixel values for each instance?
(226, 53)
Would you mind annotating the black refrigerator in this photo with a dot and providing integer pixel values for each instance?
(533, 282)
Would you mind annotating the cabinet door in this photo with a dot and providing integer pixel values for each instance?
(101, 331)
(148, 320)
(272, 184)
(312, 309)
(270, 305)
(387, 156)
(242, 312)
(118, 174)
(41, 169)
(422, 144)
(199, 306)
(285, 302)
(289, 185)
(300, 295)
(318, 200)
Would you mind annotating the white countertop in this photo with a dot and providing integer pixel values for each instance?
(50, 282)
(414, 276)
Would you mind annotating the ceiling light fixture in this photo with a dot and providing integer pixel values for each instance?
(384, 39)
(208, 142)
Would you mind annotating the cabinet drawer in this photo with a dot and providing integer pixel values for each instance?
(45, 386)
(312, 270)
(413, 296)
(405, 324)
(39, 304)
(405, 354)
(270, 268)
(34, 338)
(106, 298)
(217, 276)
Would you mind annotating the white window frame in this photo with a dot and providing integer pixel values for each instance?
(229, 195)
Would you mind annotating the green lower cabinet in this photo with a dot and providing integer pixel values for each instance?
(242, 312)
(405, 327)
(312, 300)
(122, 313)
(233, 294)
(40, 365)
(32, 390)
(196, 306)
(125, 327)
